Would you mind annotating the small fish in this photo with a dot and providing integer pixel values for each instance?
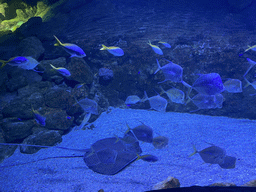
(116, 51)
(72, 49)
(253, 48)
(88, 105)
(233, 86)
(132, 99)
(212, 155)
(39, 118)
(156, 49)
(208, 84)
(165, 44)
(14, 61)
(63, 71)
(142, 133)
(175, 95)
(228, 163)
(203, 101)
(160, 142)
(171, 71)
(157, 102)
(148, 158)
(80, 85)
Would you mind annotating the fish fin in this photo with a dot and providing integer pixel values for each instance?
(58, 41)
(129, 128)
(158, 67)
(4, 63)
(145, 98)
(138, 157)
(104, 47)
(75, 101)
(117, 138)
(162, 90)
(53, 67)
(195, 151)
(247, 83)
(149, 42)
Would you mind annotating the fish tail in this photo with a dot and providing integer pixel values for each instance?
(145, 98)
(195, 151)
(138, 157)
(247, 82)
(104, 47)
(76, 101)
(162, 90)
(58, 41)
(129, 128)
(53, 66)
(4, 63)
(159, 67)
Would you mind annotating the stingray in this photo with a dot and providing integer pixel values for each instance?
(106, 156)
(109, 156)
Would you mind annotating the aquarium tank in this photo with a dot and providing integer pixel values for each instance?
(127, 95)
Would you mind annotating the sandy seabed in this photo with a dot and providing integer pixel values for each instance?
(237, 136)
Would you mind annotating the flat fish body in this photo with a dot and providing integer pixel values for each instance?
(89, 105)
(203, 101)
(143, 133)
(176, 95)
(132, 99)
(158, 103)
(160, 142)
(109, 156)
(172, 72)
(209, 84)
(233, 86)
(228, 163)
(213, 155)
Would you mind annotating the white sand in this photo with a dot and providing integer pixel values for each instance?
(237, 136)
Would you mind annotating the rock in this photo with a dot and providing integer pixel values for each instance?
(32, 76)
(22, 107)
(58, 120)
(44, 137)
(170, 182)
(5, 151)
(30, 46)
(16, 82)
(31, 27)
(251, 183)
(14, 129)
(80, 71)
(222, 185)
(72, 5)
(58, 97)
(239, 4)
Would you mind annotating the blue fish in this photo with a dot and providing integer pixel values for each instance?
(156, 49)
(208, 84)
(116, 51)
(14, 61)
(39, 118)
(72, 49)
(62, 71)
(171, 71)
(167, 45)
